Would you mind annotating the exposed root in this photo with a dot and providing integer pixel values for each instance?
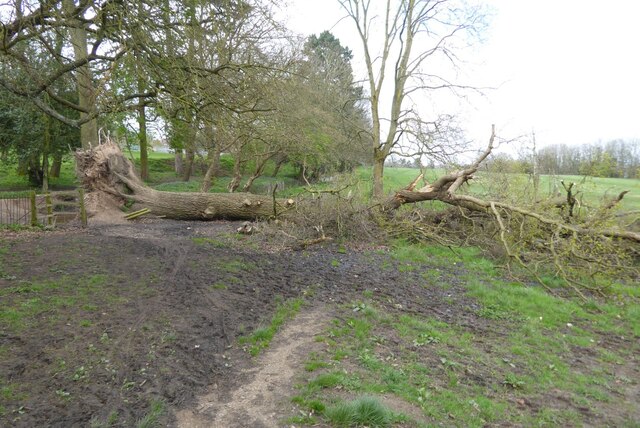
(104, 170)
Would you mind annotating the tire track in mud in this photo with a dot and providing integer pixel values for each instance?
(263, 390)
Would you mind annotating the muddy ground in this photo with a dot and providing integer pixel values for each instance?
(115, 318)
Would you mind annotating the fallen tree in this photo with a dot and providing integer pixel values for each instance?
(109, 176)
(539, 237)
(445, 189)
(586, 250)
(104, 169)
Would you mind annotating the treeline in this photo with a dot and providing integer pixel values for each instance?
(207, 77)
(615, 159)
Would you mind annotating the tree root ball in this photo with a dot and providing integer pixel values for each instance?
(110, 179)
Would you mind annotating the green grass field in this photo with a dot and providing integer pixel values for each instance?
(597, 190)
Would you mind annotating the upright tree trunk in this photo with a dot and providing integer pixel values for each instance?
(237, 174)
(45, 171)
(212, 170)
(260, 164)
(142, 120)
(536, 168)
(190, 144)
(54, 172)
(178, 163)
(86, 89)
(249, 183)
(280, 160)
(34, 170)
(23, 166)
(276, 170)
(378, 174)
(142, 141)
(188, 166)
(45, 153)
(300, 175)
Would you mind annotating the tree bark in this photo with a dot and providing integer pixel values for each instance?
(178, 163)
(142, 117)
(237, 176)
(54, 172)
(188, 165)
(378, 175)
(105, 170)
(204, 206)
(86, 89)
(281, 160)
(142, 141)
(259, 169)
(45, 153)
(249, 183)
(212, 170)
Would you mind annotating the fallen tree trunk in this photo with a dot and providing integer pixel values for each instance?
(104, 169)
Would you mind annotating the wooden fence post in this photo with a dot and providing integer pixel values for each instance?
(49, 209)
(34, 209)
(83, 211)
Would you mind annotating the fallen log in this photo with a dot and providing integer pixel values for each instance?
(104, 169)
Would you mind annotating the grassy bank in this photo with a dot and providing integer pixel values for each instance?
(518, 356)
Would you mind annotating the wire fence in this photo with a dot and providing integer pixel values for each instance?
(29, 209)
(17, 208)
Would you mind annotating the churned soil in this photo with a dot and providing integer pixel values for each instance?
(107, 321)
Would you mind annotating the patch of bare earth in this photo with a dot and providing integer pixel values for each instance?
(262, 391)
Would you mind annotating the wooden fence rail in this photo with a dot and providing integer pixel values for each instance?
(29, 209)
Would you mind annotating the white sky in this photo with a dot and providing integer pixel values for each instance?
(569, 69)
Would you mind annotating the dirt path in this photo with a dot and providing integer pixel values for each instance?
(262, 390)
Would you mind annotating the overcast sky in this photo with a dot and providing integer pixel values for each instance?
(570, 69)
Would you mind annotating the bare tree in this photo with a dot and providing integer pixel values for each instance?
(414, 34)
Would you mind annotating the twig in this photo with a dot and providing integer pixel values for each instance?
(308, 242)
(330, 191)
(615, 201)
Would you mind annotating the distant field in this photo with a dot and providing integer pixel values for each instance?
(597, 188)
(593, 190)
(398, 178)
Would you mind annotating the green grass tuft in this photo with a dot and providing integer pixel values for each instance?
(152, 418)
(261, 337)
(362, 412)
